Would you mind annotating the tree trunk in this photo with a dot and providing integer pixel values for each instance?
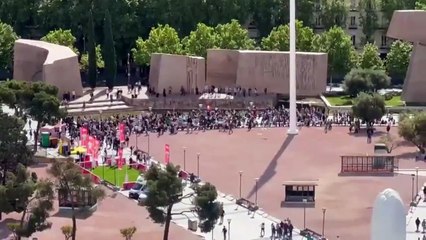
(36, 133)
(74, 224)
(21, 224)
(167, 224)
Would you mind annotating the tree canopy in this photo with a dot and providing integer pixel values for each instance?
(370, 57)
(162, 39)
(369, 107)
(365, 80)
(398, 59)
(233, 36)
(199, 40)
(165, 189)
(61, 37)
(279, 38)
(341, 54)
(412, 129)
(7, 41)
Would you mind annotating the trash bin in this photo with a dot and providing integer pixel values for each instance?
(192, 225)
(45, 139)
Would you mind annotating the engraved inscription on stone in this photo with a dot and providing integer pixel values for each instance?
(305, 80)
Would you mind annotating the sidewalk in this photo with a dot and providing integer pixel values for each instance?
(243, 225)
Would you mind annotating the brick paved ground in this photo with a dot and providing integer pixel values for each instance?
(113, 214)
(312, 154)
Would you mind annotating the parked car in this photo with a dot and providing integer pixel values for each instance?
(136, 190)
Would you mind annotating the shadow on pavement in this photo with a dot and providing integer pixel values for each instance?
(270, 169)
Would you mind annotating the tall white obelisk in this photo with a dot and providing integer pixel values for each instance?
(292, 71)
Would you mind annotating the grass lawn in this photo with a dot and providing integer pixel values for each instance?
(347, 101)
(115, 176)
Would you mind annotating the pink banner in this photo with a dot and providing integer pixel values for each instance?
(84, 133)
(120, 161)
(166, 154)
(121, 132)
(96, 149)
(91, 145)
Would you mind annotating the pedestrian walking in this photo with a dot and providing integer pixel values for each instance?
(417, 224)
(222, 214)
(262, 229)
(224, 231)
(272, 231)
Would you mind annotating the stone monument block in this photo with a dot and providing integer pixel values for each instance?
(267, 69)
(176, 71)
(408, 25)
(51, 63)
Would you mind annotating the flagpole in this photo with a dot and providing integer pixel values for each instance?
(292, 71)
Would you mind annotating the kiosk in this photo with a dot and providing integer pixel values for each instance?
(300, 192)
(82, 200)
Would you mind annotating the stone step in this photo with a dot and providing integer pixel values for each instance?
(95, 110)
(95, 104)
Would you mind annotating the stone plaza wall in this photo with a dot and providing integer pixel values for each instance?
(176, 71)
(54, 64)
(409, 25)
(267, 69)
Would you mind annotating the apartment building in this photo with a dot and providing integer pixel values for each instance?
(354, 27)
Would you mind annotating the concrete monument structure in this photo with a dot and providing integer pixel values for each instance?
(175, 71)
(388, 220)
(408, 25)
(267, 69)
(51, 63)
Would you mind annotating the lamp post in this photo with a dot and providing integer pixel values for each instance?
(412, 187)
(292, 70)
(198, 165)
(323, 221)
(149, 142)
(417, 180)
(100, 115)
(304, 213)
(184, 158)
(255, 195)
(128, 68)
(229, 229)
(241, 176)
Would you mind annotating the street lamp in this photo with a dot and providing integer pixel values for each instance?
(229, 229)
(100, 115)
(149, 143)
(412, 187)
(128, 68)
(417, 180)
(304, 213)
(184, 158)
(241, 176)
(198, 165)
(323, 221)
(255, 196)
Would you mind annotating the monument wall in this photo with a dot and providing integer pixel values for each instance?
(222, 67)
(415, 84)
(176, 71)
(54, 64)
(267, 69)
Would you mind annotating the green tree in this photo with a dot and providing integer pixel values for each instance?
(389, 6)
(200, 40)
(370, 57)
(368, 18)
(109, 52)
(84, 60)
(421, 5)
(365, 80)
(165, 189)
(412, 129)
(32, 198)
(70, 180)
(7, 41)
(61, 37)
(369, 107)
(233, 36)
(67, 231)
(267, 14)
(279, 38)
(128, 233)
(398, 59)
(162, 39)
(334, 13)
(338, 45)
(91, 56)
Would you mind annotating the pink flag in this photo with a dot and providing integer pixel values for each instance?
(83, 136)
(91, 145)
(120, 161)
(166, 154)
(121, 132)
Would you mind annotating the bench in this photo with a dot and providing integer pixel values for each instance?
(247, 204)
(310, 233)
